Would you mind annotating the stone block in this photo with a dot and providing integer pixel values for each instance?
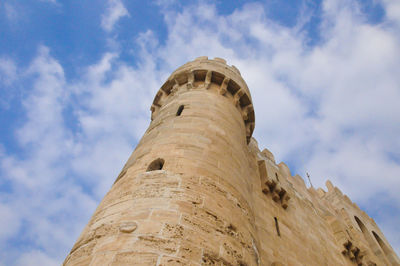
(134, 258)
(198, 191)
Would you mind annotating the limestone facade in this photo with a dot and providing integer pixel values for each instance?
(198, 191)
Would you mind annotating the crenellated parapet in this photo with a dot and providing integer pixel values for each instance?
(204, 74)
(193, 192)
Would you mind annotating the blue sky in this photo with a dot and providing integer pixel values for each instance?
(77, 79)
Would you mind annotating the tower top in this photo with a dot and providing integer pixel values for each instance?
(207, 71)
(193, 192)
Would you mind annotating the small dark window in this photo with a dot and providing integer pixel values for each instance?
(156, 165)
(277, 178)
(277, 226)
(180, 109)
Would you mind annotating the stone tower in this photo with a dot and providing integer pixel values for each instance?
(198, 191)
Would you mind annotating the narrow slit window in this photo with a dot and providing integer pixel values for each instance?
(156, 165)
(277, 226)
(276, 175)
(368, 237)
(180, 109)
(385, 248)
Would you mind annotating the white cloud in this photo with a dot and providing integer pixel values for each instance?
(9, 222)
(36, 258)
(49, 1)
(392, 9)
(47, 183)
(10, 12)
(8, 71)
(41, 195)
(330, 109)
(115, 11)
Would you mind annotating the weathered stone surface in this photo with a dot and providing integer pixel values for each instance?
(128, 227)
(198, 191)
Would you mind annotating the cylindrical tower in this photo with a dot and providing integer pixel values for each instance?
(182, 196)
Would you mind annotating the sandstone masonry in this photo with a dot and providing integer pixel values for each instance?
(198, 191)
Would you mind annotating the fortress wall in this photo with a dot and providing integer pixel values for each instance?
(317, 227)
(198, 191)
(296, 235)
(361, 229)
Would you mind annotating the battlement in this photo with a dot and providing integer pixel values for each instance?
(204, 73)
(356, 235)
(198, 191)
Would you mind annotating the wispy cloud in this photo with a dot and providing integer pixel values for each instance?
(114, 12)
(10, 12)
(36, 258)
(54, 188)
(40, 193)
(392, 9)
(8, 71)
(330, 109)
(49, 1)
